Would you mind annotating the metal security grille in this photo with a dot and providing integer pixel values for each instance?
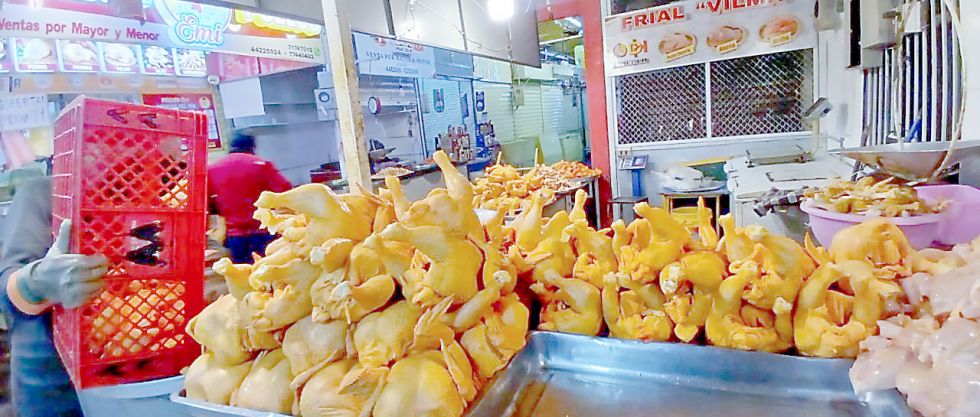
(663, 105)
(757, 95)
(921, 87)
(762, 94)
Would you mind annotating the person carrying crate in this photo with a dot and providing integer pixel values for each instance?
(234, 183)
(36, 274)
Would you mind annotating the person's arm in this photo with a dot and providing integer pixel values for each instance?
(37, 276)
(275, 181)
(26, 239)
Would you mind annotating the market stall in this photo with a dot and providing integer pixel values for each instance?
(443, 281)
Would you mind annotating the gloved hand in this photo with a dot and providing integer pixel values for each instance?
(60, 277)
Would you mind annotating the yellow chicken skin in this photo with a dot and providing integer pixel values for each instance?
(404, 394)
(329, 216)
(634, 311)
(785, 264)
(689, 286)
(283, 296)
(324, 395)
(384, 336)
(502, 332)
(211, 381)
(454, 263)
(351, 292)
(461, 191)
(593, 250)
(643, 253)
(529, 224)
(553, 255)
(236, 276)
(577, 213)
(267, 386)
(830, 323)
(735, 324)
(877, 241)
(217, 329)
(569, 305)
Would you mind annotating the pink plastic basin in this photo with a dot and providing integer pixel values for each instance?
(962, 221)
(920, 230)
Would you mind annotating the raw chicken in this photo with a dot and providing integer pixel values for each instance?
(324, 396)
(633, 310)
(218, 330)
(570, 305)
(404, 395)
(454, 263)
(267, 385)
(385, 336)
(308, 344)
(211, 381)
(736, 324)
(830, 323)
(689, 286)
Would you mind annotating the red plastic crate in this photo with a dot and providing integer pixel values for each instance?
(117, 167)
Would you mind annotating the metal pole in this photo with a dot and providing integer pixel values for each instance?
(340, 48)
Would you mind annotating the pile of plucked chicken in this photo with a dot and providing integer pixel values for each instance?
(375, 305)
(931, 352)
(366, 305)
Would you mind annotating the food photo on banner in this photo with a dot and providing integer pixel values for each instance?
(697, 31)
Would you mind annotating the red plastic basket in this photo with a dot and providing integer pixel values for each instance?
(132, 179)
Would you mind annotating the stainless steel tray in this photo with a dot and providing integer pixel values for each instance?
(560, 375)
(912, 161)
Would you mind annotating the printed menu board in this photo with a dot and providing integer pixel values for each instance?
(34, 55)
(158, 61)
(190, 63)
(78, 56)
(6, 48)
(120, 58)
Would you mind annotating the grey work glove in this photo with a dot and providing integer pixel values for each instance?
(60, 277)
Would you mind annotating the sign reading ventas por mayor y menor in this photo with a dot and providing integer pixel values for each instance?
(697, 31)
(169, 23)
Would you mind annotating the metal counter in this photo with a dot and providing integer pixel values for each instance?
(560, 375)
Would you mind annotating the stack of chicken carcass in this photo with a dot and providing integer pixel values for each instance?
(505, 187)
(931, 353)
(753, 290)
(366, 305)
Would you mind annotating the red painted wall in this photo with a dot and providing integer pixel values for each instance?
(595, 79)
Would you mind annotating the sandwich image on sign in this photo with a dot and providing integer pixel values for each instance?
(780, 31)
(677, 45)
(726, 38)
(79, 53)
(119, 55)
(36, 51)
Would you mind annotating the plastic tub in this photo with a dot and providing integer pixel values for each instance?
(198, 408)
(141, 399)
(686, 216)
(920, 230)
(961, 224)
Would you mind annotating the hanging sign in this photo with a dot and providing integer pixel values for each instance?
(697, 31)
(24, 112)
(168, 24)
(382, 56)
(6, 53)
(203, 103)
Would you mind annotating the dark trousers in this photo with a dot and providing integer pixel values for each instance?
(242, 247)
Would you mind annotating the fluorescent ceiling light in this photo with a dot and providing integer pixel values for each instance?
(500, 10)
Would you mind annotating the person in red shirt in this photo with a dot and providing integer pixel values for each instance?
(234, 183)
